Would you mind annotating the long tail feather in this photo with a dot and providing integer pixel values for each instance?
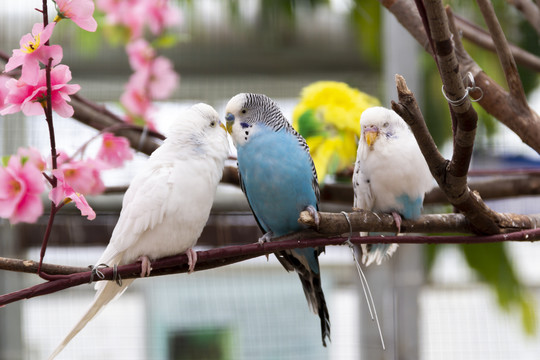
(305, 262)
(105, 294)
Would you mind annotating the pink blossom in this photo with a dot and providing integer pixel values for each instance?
(32, 156)
(33, 51)
(114, 150)
(31, 98)
(20, 189)
(83, 176)
(136, 14)
(135, 99)
(160, 15)
(63, 192)
(3, 89)
(163, 78)
(140, 54)
(79, 11)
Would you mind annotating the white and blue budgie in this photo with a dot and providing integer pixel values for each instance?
(390, 173)
(167, 204)
(279, 180)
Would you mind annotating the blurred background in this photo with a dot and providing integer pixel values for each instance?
(434, 302)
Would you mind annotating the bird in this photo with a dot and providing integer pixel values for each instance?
(390, 174)
(167, 204)
(279, 179)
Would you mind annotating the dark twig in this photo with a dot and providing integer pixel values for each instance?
(228, 255)
(50, 125)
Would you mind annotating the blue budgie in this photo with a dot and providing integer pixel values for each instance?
(390, 173)
(279, 179)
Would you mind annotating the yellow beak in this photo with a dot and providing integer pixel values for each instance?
(371, 135)
(222, 126)
(229, 127)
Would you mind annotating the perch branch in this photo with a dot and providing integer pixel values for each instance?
(228, 255)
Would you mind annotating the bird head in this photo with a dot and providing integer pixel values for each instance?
(378, 123)
(245, 112)
(199, 128)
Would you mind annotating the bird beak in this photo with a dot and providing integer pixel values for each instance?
(371, 133)
(222, 126)
(230, 122)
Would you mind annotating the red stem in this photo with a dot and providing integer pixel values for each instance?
(230, 254)
(49, 119)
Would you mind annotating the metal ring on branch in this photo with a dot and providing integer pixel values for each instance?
(97, 272)
(468, 90)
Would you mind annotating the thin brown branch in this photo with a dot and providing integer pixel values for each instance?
(530, 11)
(231, 254)
(503, 52)
(406, 14)
(481, 37)
(499, 187)
(100, 118)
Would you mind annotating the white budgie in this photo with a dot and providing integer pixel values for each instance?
(390, 173)
(167, 204)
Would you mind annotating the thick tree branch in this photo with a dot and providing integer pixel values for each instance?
(517, 116)
(496, 101)
(227, 255)
(365, 221)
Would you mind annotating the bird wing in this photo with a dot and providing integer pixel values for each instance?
(144, 206)
(243, 187)
(363, 196)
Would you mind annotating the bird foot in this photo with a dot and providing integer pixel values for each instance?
(314, 214)
(266, 237)
(397, 219)
(192, 259)
(146, 266)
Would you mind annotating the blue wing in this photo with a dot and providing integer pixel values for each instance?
(278, 177)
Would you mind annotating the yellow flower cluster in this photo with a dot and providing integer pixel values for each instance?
(328, 117)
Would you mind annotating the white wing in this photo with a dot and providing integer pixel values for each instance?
(363, 197)
(144, 206)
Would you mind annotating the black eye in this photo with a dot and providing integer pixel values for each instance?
(213, 124)
(385, 124)
(244, 111)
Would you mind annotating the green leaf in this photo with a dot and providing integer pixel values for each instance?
(492, 265)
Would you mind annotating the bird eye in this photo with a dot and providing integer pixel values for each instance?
(213, 124)
(244, 111)
(385, 124)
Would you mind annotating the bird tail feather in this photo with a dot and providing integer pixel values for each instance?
(311, 282)
(105, 294)
(377, 252)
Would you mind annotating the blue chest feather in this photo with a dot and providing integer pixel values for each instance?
(411, 208)
(277, 178)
